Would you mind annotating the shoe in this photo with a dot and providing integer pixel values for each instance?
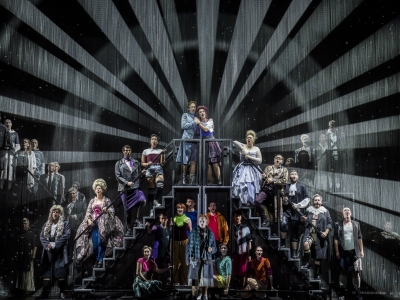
(138, 223)
(62, 296)
(184, 179)
(205, 297)
(128, 232)
(306, 266)
(199, 297)
(99, 265)
(156, 204)
(95, 264)
(265, 223)
(295, 254)
(151, 213)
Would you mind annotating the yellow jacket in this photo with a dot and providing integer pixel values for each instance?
(223, 232)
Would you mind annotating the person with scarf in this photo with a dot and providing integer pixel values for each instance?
(189, 122)
(181, 227)
(349, 250)
(314, 242)
(127, 172)
(54, 238)
(143, 286)
(105, 233)
(246, 181)
(199, 252)
(296, 197)
(214, 155)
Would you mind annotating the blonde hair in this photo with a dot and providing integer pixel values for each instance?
(251, 132)
(191, 102)
(147, 247)
(203, 216)
(57, 165)
(100, 182)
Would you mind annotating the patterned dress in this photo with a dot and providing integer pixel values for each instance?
(144, 288)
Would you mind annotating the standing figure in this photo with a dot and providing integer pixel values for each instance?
(241, 250)
(261, 274)
(144, 286)
(58, 167)
(319, 216)
(26, 256)
(198, 257)
(8, 170)
(181, 226)
(79, 196)
(161, 245)
(223, 265)
(154, 171)
(297, 194)
(188, 124)
(274, 177)
(214, 155)
(40, 164)
(349, 250)
(50, 187)
(26, 158)
(337, 158)
(190, 211)
(54, 238)
(322, 165)
(218, 225)
(127, 172)
(105, 233)
(304, 156)
(246, 181)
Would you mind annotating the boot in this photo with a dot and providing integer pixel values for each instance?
(295, 253)
(283, 243)
(45, 290)
(317, 270)
(61, 285)
(156, 203)
(306, 258)
(184, 179)
(192, 179)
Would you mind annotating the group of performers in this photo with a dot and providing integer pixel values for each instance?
(196, 238)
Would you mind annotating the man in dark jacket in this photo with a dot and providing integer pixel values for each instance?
(54, 238)
(127, 171)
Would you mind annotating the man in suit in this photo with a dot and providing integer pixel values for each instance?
(51, 186)
(127, 171)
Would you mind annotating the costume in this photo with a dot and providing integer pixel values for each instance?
(214, 150)
(106, 234)
(8, 171)
(180, 238)
(5, 144)
(127, 170)
(350, 257)
(260, 271)
(199, 259)
(24, 159)
(321, 181)
(146, 288)
(242, 237)
(268, 210)
(224, 268)
(25, 280)
(51, 182)
(304, 157)
(154, 170)
(192, 215)
(247, 179)
(219, 227)
(74, 213)
(188, 125)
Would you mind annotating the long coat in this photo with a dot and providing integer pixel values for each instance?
(124, 175)
(324, 221)
(193, 254)
(58, 255)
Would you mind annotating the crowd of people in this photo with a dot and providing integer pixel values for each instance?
(199, 243)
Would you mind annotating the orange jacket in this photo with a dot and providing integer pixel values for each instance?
(223, 231)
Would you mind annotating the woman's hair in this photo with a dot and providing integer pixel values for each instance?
(29, 150)
(203, 216)
(190, 103)
(60, 224)
(202, 107)
(147, 247)
(251, 132)
(99, 182)
(181, 205)
(57, 165)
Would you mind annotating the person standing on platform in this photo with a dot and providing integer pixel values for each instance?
(26, 158)
(320, 217)
(188, 125)
(58, 167)
(40, 164)
(223, 265)
(274, 177)
(181, 226)
(50, 187)
(349, 250)
(154, 171)
(246, 178)
(190, 211)
(127, 172)
(79, 196)
(9, 166)
(218, 225)
(54, 238)
(297, 194)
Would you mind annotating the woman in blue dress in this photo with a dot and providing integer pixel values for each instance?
(246, 175)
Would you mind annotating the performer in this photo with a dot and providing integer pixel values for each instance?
(218, 225)
(214, 151)
(161, 245)
(181, 226)
(106, 233)
(261, 274)
(349, 250)
(126, 170)
(154, 171)
(8, 170)
(188, 124)
(297, 194)
(246, 179)
(54, 238)
(40, 164)
(322, 165)
(337, 158)
(190, 211)
(57, 168)
(274, 177)
(223, 265)
(51, 185)
(198, 257)
(241, 250)
(143, 286)
(26, 255)
(319, 216)
(304, 156)
(26, 158)
(79, 196)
